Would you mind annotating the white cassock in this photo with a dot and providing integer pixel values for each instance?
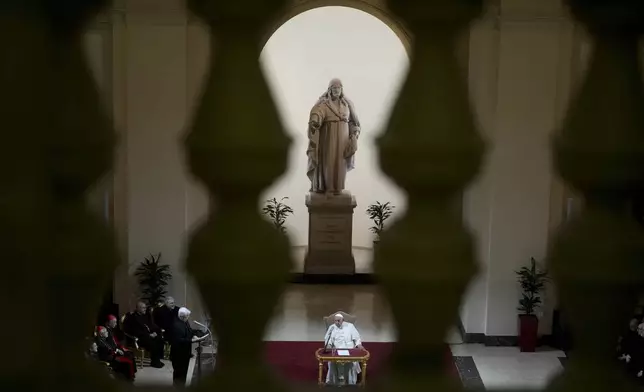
(343, 337)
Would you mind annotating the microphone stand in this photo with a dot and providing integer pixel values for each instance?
(326, 344)
(200, 349)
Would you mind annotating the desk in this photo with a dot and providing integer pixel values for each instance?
(355, 355)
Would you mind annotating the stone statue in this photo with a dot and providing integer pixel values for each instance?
(333, 134)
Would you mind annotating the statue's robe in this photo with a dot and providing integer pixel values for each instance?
(344, 337)
(333, 141)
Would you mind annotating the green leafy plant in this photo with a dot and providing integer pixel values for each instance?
(532, 281)
(379, 213)
(277, 212)
(153, 278)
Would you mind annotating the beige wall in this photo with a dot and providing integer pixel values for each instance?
(520, 72)
(520, 69)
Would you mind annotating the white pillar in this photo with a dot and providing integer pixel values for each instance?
(151, 91)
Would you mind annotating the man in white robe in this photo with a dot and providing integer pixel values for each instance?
(342, 335)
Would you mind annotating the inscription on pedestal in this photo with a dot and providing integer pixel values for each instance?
(330, 231)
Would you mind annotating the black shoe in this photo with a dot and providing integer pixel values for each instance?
(157, 365)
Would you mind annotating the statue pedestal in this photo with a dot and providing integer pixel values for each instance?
(330, 234)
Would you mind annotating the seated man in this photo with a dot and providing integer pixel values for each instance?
(92, 353)
(140, 325)
(165, 315)
(109, 352)
(342, 335)
(635, 353)
(113, 330)
(114, 336)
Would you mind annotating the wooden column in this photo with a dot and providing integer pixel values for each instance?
(236, 148)
(597, 258)
(432, 150)
(57, 256)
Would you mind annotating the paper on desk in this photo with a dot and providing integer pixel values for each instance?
(343, 353)
(202, 338)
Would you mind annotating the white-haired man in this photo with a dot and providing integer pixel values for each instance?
(342, 335)
(182, 337)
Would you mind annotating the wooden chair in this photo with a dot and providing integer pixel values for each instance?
(131, 343)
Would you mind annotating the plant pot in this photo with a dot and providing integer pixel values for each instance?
(528, 330)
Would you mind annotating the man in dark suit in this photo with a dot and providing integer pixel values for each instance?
(181, 346)
(149, 336)
(165, 315)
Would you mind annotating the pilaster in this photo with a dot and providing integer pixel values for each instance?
(521, 58)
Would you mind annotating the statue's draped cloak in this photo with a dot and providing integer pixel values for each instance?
(332, 146)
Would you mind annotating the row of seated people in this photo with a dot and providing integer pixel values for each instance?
(141, 330)
(110, 350)
(92, 355)
(145, 328)
(142, 327)
(631, 349)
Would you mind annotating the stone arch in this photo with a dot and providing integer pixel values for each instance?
(373, 7)
(378, 9)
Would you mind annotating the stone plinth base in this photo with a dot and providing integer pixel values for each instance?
(330, 234)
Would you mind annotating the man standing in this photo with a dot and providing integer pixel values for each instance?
(182, 337)
(342, 335)
(140, 325)
(164, 317)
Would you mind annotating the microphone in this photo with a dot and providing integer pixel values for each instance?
(326, 344)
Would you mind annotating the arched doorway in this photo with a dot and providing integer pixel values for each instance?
(299, 60)
(294, 96)
(373, 7)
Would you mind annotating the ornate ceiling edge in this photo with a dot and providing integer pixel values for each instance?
(173, 12)
(154, 12)
(516, 11)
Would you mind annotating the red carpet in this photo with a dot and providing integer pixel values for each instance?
(295, 361)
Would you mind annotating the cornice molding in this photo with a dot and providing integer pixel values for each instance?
(517, 11)
(382, 4)
(173, 12)
(154, 12)
(103, 21)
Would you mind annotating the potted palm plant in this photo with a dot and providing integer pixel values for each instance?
(153, 278)
(379, 213)
(277, 211)
(532, 280)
